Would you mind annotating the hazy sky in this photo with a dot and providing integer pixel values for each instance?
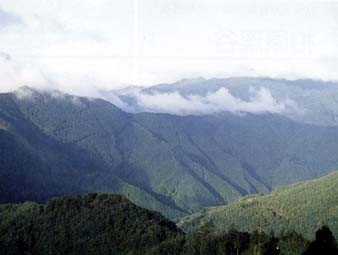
(77, 45)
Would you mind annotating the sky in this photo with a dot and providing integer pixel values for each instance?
(81, 45)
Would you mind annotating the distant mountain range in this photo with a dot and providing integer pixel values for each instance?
(308, 101)
(301, 207)
(54, 144)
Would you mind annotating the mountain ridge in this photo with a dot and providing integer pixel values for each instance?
(174, 164)
(316, 100)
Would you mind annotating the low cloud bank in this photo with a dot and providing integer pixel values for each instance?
(261, 101)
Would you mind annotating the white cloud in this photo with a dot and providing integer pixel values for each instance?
(30, 94)
(261, 101)
(81, 45)
(14, 74)
(7, 19)
(24, 93)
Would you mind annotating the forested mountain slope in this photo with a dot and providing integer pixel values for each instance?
(92, 224)
(176, 165)
(35, 166)
(302, 207)
(110, 224)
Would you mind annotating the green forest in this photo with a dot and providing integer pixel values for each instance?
(172, 164)
(162, 184)
(301, 207)
(111, 224)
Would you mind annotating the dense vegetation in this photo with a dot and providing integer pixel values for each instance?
(301, 207)
(53, 144)
(92, 224)
(111, 224)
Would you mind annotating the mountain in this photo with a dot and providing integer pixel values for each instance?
(35, 166)
(301, 207)
(56, 144)
(91, 224)
(315, 102)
